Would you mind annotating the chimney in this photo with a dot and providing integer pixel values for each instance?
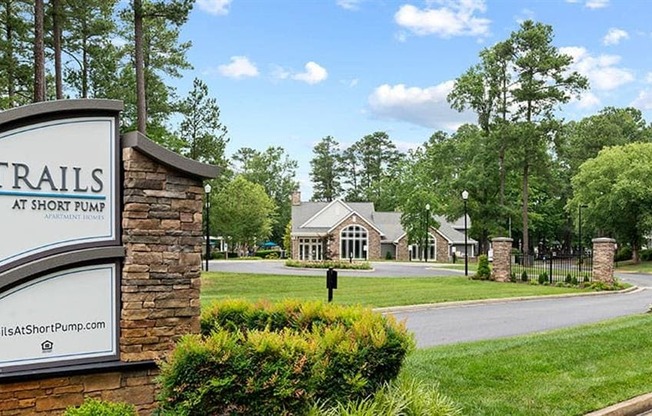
(296, 198)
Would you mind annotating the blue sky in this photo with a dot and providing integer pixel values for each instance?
(290, 72)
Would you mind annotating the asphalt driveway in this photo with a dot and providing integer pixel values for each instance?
(470, 321)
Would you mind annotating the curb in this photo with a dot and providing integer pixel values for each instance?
(632, 407)
(442, 305)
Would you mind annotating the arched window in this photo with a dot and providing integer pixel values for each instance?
(418, 252)
(353, 243)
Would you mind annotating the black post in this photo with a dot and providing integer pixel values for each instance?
(466, 245)
(426, 247)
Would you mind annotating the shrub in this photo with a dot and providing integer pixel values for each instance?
(326, 264)
(524, 276)
(267, 254)
(94, 407)
(388, 256)
(574, 281)
(568, 278)
(586, 279)
(646, 255)
(400, 397)
(624, 253)
(279, 358)
(512, 277)
(543, 278)
(484, 271)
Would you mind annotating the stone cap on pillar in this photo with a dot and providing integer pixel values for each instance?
(502, 240)
(603, 240)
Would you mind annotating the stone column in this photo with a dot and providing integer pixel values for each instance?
(162, 234)
(502, 267)
(603, 259)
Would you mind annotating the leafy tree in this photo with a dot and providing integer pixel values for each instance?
(16, 75)
(610, 127)
(203, 137)
(244, 213)
(368, 161)
(155, 34)
(616, 187)
(543, 82)
(276, 172)
(326, 170)
(92, 69)
(287, 238)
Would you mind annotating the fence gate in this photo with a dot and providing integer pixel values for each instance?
(552, 268)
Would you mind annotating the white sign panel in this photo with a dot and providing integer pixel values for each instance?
(63, 316)
(57, 186)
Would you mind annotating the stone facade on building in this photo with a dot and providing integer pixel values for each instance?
(317, 230)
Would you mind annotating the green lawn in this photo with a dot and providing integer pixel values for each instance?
(628, 266)
(564, 372)
(367, 291)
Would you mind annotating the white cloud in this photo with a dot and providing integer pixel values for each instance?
(349, 4)
(587, 100)
(425, 107)
(614, 36)
(648, 77)
(592, 4)
(643, 101)
(240, 67)
(596, 4)
(219, 7)
(456, 18)
(602, 72)
(314, 74)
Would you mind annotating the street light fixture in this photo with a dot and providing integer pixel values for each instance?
(207, 191)
(580, 235)
(427, 245)
(465, 196)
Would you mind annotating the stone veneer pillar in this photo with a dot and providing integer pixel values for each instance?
(502, 264)
(603, 259)
(162, 235)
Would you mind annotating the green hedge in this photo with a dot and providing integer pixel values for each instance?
(279, 359)
(268, 254)
(326, 264)
(95, 407)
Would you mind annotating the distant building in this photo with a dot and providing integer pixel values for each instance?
(344, 230)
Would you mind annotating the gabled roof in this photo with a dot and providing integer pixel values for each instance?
(319, 218)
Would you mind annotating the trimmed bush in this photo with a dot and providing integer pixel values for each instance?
(94, 407)
(524, 277)
(268, 254)
(543, 278)
(279, 359)
(624, 253)
(484, 271)
(326, 264)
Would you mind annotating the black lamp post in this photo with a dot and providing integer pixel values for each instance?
(579, 222)
(427, 245)
(465, 196)
(207, 191)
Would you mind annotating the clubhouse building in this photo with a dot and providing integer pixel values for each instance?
(355, 230)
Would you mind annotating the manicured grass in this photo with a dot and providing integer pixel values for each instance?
(628, 266)
(565, 372)
(367, 291)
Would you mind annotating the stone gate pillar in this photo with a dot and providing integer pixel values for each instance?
(502, 247)
(603, 259)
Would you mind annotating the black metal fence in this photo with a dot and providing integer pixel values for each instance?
(552, 268)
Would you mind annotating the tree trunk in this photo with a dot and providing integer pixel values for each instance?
(526, 233)
(39, 52)
(141, 107)
(9, 53)
(56, 43)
